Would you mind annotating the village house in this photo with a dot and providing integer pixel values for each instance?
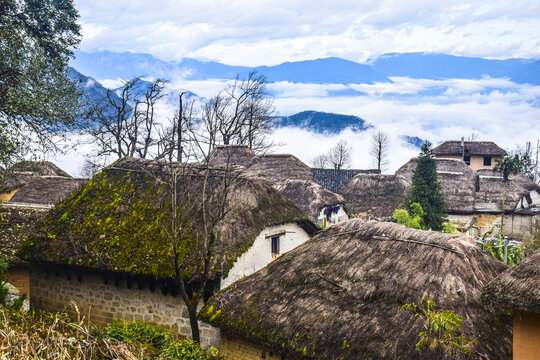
(106, 247)
(474, 199)
(518, 290)
(291, 177)
(477, 154)
(339, 296)
(29, 190)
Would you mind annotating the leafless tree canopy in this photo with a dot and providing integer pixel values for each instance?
(320, 161)
(338, 157)
(240, 114)
(124, 125)
(380, 146)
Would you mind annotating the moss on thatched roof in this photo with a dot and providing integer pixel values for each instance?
(16, 223)
(482, 148)
(339, 294)
(116, 222)
(518, 288)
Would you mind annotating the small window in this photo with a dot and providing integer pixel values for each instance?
(487, 160)
(467, 159)
(275, 245)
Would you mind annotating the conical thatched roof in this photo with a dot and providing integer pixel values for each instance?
(279, 167)
(309, 196)
(339, 295)
(231, 154)
(39, 168)
(518, 288)
(374, 195)
(487, 148)
(116, 222)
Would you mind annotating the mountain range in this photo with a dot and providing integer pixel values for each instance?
(111, 65)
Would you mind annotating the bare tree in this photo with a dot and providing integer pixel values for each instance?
(527, 160)
(340, 155)
(123, 123)
(380, 145)
(320, 161)
(240, 114)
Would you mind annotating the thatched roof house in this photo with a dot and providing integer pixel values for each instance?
(286, 173)
(118, 213)
(374, 195)
(470, 147)
(339, 295)
(518, 288)
(466, 191)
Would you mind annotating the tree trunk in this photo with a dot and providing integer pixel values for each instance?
(192, 310)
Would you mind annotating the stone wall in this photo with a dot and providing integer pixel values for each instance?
(102, 299)
(233, 348)
(515, 225)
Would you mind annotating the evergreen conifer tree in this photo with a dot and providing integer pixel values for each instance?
(426, 190)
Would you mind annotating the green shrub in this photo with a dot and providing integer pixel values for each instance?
(411, 218)
(449, 228)
(164, 345)
(140, 333)
(184, 349)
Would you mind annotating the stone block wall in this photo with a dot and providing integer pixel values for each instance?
(233, 348)
(101, 300)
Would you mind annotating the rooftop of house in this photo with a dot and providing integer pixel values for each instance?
(118, 219)
(482, 148)
(518, 288)
(339, 294)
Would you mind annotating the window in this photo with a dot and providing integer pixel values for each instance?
(275, 245)
(467, 159)
(487, 160)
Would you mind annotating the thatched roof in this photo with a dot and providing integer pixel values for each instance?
(116, 222)
(457, 182)
(231, 154)
(482, 148)
(275, 168)
(309, 196)
(466, 191)
(39, 168)
(339, 295)
(16, 223)
(374, 194)
(518, 288)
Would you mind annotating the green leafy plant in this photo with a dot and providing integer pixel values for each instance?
(411, 218)
(442, 329)
(496, 249)
(185, 349)
(449, 228)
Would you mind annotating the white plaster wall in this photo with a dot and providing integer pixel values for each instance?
(334, 218)
(260, 253)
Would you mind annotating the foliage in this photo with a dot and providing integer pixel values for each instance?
(140, 333)
(37, 98)
(534, 244)
(496, 249)
(442, 329)
(163, 344)
(526, 161)
(449, 228)
(426, 190)
(509, 165)
(411, 218)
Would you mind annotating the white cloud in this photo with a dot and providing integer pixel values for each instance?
(271, 32)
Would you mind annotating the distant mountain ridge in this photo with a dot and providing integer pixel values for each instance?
(111, 65)
(322, 122)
